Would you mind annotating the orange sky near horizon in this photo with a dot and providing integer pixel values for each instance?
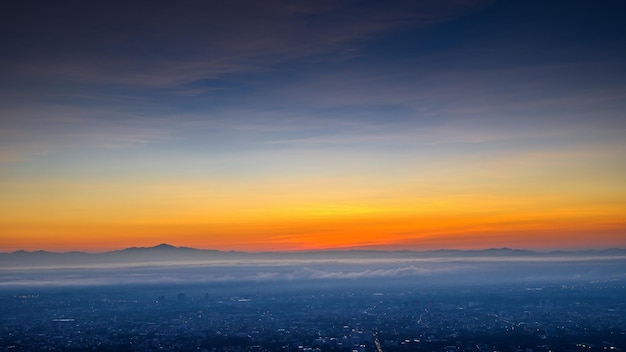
(332, 214)
(366, 234)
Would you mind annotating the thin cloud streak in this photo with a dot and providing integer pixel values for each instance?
(435, 271)
(224, 38)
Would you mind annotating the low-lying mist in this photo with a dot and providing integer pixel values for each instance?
(448, 270)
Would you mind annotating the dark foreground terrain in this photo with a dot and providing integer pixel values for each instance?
(401, 314)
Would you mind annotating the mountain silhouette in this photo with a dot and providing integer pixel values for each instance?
(167, 253)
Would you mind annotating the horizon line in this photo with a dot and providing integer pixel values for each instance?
(329, 249)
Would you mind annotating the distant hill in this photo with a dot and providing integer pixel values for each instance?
(168, 254)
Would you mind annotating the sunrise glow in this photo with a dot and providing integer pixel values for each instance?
(285, 128)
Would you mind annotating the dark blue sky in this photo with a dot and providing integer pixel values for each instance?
(194, 56)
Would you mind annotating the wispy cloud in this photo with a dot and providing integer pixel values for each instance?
(184, 43)
(45, 130)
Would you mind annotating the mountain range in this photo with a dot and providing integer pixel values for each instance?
(165, 253)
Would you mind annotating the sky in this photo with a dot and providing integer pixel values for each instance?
(303, 125)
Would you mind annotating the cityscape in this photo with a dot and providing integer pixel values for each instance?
(324, 301)
(318, 316)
